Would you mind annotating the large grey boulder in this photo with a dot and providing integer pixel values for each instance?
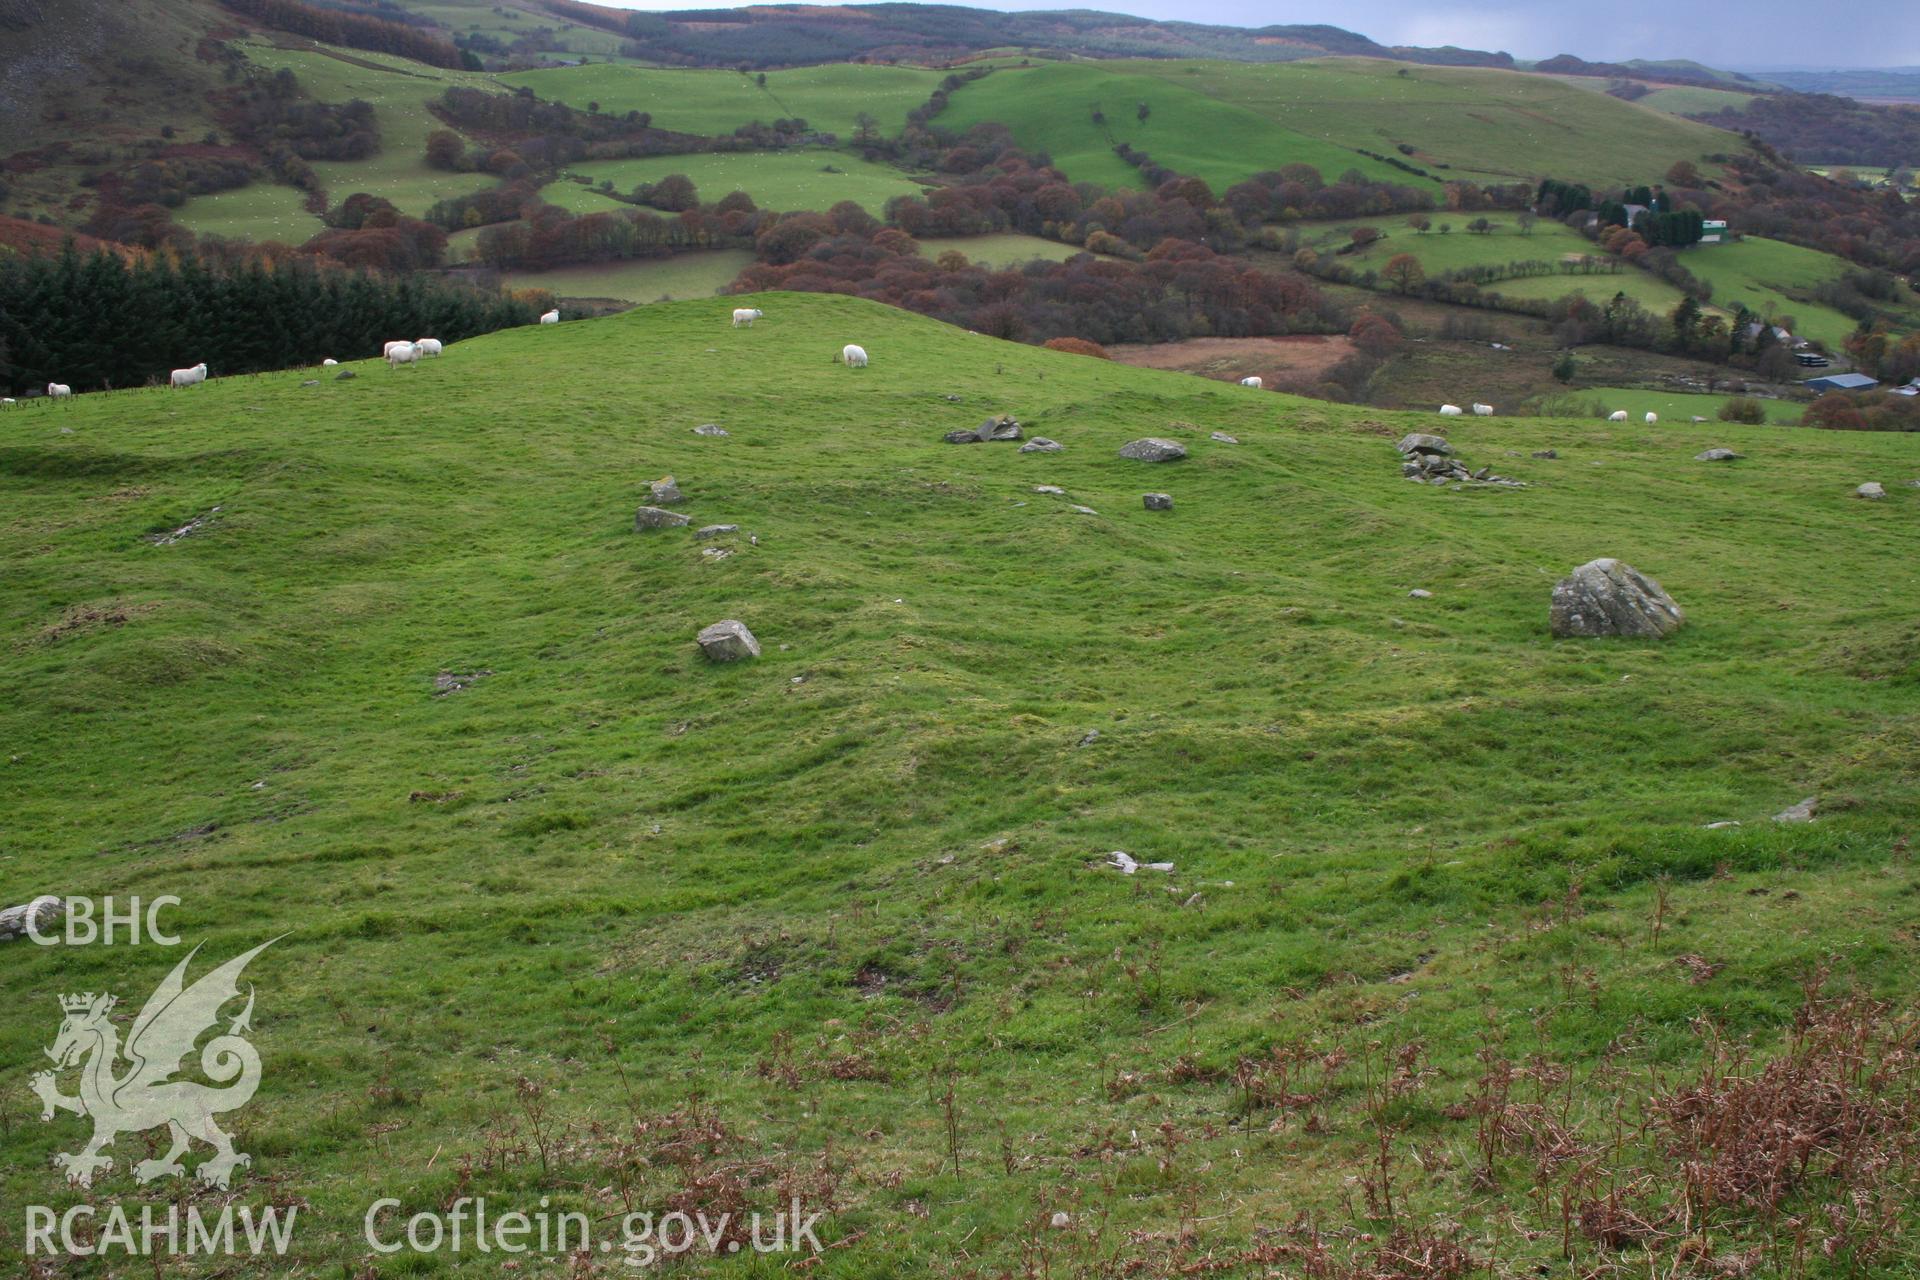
(1717, 455)
(44, 912)
(658, 518)
(1153, 449)
(728, 641)
(707, 531)
(1609, 598)
(1158, 501)
(665, 491)
(1872, 491)
(710, 429)
(1421, 442)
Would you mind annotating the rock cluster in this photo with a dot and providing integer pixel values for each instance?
(1153, 449)
(1427, 459)
(1004, 427)
(1606, 597)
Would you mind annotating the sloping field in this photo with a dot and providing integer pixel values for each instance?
(256, 212)
(798, 179)
(573, 920)
(718, 102)
(1760, 272)
(1051, 109)
(1480, 124)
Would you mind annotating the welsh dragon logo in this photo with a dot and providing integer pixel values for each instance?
(145, 1095)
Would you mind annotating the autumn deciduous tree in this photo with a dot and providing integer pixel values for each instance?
(1684, 173)
(1078, 347)
(1835, 412)
(1420, 222)
(1374, 335)
(444, 149)
(1364, 236)
(1404, 272)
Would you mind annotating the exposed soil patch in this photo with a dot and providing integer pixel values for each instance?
(454, 681)
(1298, 356)
(82, 618)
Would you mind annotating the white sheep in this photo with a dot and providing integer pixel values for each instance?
(189, 377)
(387, 350)
(428, 346)
(1449, 410)
(1652, 418)
(1483, 410)
(400, 353)
(856, 357)
(59, 390)
(1618, 415)
(1255, 383)
(550, 317)
(745, 316)
(328, 363)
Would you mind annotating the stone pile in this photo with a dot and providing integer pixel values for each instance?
(1004, 427)
(1429, 459)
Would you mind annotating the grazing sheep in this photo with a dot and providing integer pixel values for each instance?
(189, 377)
(400, 353)
(1255, 383)
(428, 346)
(746, 316)
(1652, 418)
(328, 363)
(1483, 410)
(856, 357)
(387, 350)
(550, 317)
(59, 390)
(1618, 415)
(1449, 410)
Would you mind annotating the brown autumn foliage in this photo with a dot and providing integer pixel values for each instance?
(1078, 347)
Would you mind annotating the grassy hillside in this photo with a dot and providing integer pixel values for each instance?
(259, 212)
(1677, 407)
(1050, 109)
(1482, 124)
(799, 179)
(417, 696)
(1761, 272)
(718, 102)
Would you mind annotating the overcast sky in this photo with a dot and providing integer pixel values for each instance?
(1741, 34)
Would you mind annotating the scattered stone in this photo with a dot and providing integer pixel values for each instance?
(311, 382)
(1606, 597)
(728, 641)
(43, 913)
(1050, 488)
(706, 531)
(1004, 427)
(658, 518)
(710, 429)
(1421, 593)
(1153, 449)
(1159, 501)
(665, 491)
(1548, 454)
(1090, 737)
(454, 681)
(1223, 438)
(1802, 812)
(716, 553)
(187, 530)
(1717, 455)
(1872, 491)
(1421, 442)
(1086, 511)
(345, 375)
(1123, 862)
(952, 399)
(1061, 1220)
(1720, 826)
(1696, 418)
(1040, 444)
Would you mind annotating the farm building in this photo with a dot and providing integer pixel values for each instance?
(1841, 382)
(1713, 231)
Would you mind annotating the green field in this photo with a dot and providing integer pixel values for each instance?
(785, 180)
(1484, 124)
(1009, 250)
(1050, 109)
(718, 102)
(1687, 100)
(684, 275)
(565, 911)
(577, 198)
(1759, 272)
(399, 91)
(1548, 242)
(1680, 407)
(258, 212)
